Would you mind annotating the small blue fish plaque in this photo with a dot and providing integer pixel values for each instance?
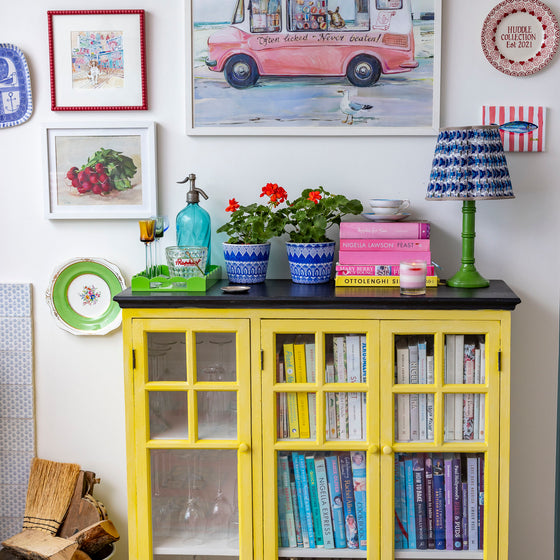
(15, 87)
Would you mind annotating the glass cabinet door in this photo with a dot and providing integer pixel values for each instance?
(320, 409)
(193, 464)
(439, 438)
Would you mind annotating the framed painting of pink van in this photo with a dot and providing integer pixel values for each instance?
(313, 67)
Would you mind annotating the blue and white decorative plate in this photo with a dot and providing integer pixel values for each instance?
(15, 87)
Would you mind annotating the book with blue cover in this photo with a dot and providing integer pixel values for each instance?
(348, 502)
(439, 502)
(401, 506)
(299, 491)
(411, 516)
(335, 492)
(306, 500)
(429, 478)
(420, 515)
(360, 481)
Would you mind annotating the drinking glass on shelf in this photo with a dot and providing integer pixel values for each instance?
(147, 228)
(221, 511)
(161, 226)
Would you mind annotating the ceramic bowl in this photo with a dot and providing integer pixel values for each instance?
(186, 262)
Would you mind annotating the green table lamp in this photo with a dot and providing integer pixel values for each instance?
(469, 164)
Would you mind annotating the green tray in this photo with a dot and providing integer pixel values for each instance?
(163, 283)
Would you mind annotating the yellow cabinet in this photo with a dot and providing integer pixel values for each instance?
(318, 424)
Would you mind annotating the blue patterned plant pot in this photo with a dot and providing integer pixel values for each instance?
(310, 263)
(246, 264)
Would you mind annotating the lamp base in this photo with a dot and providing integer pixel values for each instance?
(468, 277)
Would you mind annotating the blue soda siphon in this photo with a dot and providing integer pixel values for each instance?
(193, 222)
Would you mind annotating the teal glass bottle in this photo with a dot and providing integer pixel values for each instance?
(193, 222)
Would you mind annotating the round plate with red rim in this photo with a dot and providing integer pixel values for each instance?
(520, 37)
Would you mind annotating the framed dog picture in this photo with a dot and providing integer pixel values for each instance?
(97, 60)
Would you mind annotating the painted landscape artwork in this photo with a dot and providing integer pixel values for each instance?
(522, 128)
(314, 66)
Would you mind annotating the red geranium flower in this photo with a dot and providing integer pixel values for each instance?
(315, 196)
(233, 205)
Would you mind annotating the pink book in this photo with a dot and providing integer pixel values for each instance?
(383, 257)
(374, 270)
(385, 244)
(385, 230)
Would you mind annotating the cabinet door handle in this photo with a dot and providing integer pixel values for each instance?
(243, 447)
(387, 449)
(373, 449)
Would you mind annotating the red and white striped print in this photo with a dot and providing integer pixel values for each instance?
(532, 141)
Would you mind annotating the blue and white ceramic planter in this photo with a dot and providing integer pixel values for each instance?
(310, 263)
(246, 264)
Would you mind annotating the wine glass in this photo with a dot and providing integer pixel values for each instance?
(194, 514)
(147, 237)
(221, 510)
(161, 226)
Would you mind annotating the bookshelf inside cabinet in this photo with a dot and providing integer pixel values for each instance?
(318, 424)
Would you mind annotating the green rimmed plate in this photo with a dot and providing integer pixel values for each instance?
(80, 296)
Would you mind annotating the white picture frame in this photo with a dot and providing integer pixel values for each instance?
(71, 145)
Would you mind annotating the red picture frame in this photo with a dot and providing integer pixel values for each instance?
(97, 60)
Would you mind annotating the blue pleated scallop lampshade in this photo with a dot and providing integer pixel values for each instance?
(469, 163)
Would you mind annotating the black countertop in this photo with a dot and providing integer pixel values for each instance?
(285, 294)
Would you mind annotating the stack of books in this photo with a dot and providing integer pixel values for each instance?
(322, 500)
(371, 252)
(439, 501)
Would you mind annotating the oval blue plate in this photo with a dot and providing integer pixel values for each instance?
(15, 87)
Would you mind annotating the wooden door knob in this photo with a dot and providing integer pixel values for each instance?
(387, 449)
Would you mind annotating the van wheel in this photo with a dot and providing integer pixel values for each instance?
(363, 70)
(241, 71)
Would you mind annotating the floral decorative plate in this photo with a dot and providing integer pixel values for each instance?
(80, 296)
(15, 87)
(520, 37)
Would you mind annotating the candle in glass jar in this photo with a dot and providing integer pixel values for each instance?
(413, 278)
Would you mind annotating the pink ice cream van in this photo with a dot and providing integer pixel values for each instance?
(359, 39)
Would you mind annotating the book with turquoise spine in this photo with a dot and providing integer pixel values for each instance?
(335, 493)
(324, 502)
(301, 506)
(286, 499)
(410, 511)
(314, 499)
(306, 500)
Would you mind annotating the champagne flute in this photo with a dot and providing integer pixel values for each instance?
(147, 237)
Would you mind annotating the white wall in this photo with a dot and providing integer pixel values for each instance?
(79, 380)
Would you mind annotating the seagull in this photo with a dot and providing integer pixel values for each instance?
(351, 108)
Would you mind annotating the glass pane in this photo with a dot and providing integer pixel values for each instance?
(166, 356)
(345, 416)
(465, 359)
(465, 417)
(217, 414)
(168, 415)
(215, 357)
(414, 359)
(296, 415)
(414, 417)
(322, 500)
(194, 503)
(439, 501)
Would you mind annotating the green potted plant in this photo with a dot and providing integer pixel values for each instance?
(249, 231)
(306, 221)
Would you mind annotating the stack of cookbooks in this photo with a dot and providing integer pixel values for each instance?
(371, 252)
